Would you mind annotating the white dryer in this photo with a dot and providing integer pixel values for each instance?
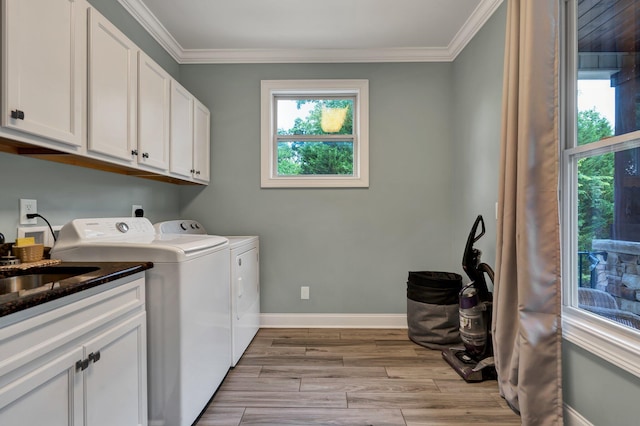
(187, 304)
(245, 282)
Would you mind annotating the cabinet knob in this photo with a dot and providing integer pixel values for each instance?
(17, 114)
(197, 172)
(94, 356)
(82, 364)
(134, 152)
(192, 170)
(145, 155)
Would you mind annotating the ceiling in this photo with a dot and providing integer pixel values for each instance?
(284, 31)
(608, 26)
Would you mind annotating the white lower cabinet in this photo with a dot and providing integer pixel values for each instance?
(49, 395)
(114, 380)
(79, 364)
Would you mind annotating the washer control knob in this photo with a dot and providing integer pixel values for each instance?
(122, 227)
(183, 226)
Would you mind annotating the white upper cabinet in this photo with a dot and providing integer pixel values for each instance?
(201, 141)
(73, 82)
(112, 91)
(43, 71)
(154, 86)
(181, 157)
(190, 136)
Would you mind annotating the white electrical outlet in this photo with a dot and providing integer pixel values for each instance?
(134, 208)
(28, 206)
(304, 293)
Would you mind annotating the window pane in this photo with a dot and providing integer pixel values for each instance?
(315, 158)
(314, 116)
(609, 236)
(595, 199)
(596, 110)
(608, 77)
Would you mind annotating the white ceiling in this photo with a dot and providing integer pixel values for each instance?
(262, 31)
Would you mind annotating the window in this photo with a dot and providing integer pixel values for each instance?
(315, 133)
(601, 181)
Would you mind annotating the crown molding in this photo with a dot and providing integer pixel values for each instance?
(150, 23)
(154, 27)
(246, 56)
(476, 21)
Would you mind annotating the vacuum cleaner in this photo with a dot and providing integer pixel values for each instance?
(474, 362)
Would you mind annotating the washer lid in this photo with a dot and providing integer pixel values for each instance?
(130, 233)
(190, 242)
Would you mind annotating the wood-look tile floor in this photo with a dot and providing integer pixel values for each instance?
(349, 377)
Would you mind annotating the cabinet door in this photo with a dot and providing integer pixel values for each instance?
(153, 114)
(116, 383)
(44, 68)
(49, 395)
(201, 141)
(181, 143)
(112, 90)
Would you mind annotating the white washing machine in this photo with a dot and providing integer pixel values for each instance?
(245, 282)
(187, 303)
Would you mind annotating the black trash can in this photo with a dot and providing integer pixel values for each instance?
(432, 308)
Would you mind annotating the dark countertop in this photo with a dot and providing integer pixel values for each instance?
(101, 273)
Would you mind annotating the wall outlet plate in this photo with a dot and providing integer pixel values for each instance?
(304, 293)
(28, 206)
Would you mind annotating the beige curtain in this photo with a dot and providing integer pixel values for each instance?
(526, 311)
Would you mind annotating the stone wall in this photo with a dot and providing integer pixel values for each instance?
(619, 274)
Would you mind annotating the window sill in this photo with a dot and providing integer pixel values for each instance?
(314, 182)
(617, 344)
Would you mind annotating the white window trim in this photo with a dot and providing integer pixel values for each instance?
(271, 88)
(604, 338)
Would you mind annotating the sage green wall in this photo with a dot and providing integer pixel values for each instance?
(67, 192)
(352, 247)
(477, 100)
(601, 392)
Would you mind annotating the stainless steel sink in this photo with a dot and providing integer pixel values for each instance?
(44, 279)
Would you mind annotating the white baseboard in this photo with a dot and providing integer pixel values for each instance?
(573, 418)
(333, 320)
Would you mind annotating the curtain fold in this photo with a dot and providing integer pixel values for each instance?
(526, 310)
